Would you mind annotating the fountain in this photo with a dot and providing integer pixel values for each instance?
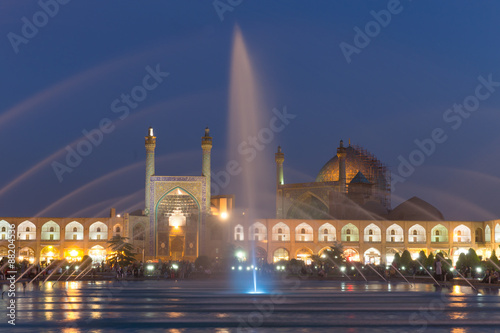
(24, 273)
(373, 269)
(62, 274)
(401, 274)
(41, 272)
(459, 274)
(429, 273)
(245, 121)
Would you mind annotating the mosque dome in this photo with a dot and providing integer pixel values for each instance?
(416, 209)
(357, 160)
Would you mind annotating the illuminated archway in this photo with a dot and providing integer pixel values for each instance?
(327, 233)
(177, 224)
(439, 234)
(4, 230)
(395, 234)
(487, 234)
(416, 234)
(351, 254)
(390, 254)
(51, 231)
(281, 254)
(372, 256)
(305, 255)
(27, 253)
(98, 231)
(73, 254)
(461, 234)
(98, 254)
(350, 233)
(74, 231)
(372, 233)
(303, 233)
(117, 229)
(281, 232)
(26, 230)
(239, 234)
(49, 253)
(257, 232)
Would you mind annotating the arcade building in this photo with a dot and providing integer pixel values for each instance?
(349, 203)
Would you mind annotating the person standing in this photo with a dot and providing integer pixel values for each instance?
(439, 270)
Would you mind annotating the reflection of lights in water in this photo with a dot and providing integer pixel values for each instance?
(221, 315)
(175, 314)
(72, 315)
(174, 330)
(458, 330)
(457, 290)
(96, 314)
(48, 315)
(458, 315)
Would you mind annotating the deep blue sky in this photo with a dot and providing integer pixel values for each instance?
(396, 90)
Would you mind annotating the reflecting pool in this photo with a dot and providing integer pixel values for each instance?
(285, 305)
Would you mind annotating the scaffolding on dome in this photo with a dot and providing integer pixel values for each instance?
(378, 174)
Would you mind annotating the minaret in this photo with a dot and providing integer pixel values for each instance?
(150, 164)
(206, 145)
(280, 158)
(341, 154)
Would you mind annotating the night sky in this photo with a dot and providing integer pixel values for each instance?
(395, 87)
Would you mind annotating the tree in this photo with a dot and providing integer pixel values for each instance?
(429, 262)
(122, 252)
(335, 253)
(397, 260)
(462, 261)
(472, 259)
(494, 258)
(406, 259)
(86, 262)
(422, 257)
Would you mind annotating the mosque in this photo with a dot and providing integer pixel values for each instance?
(350, 203)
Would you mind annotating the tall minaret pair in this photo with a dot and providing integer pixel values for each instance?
(206, 145)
